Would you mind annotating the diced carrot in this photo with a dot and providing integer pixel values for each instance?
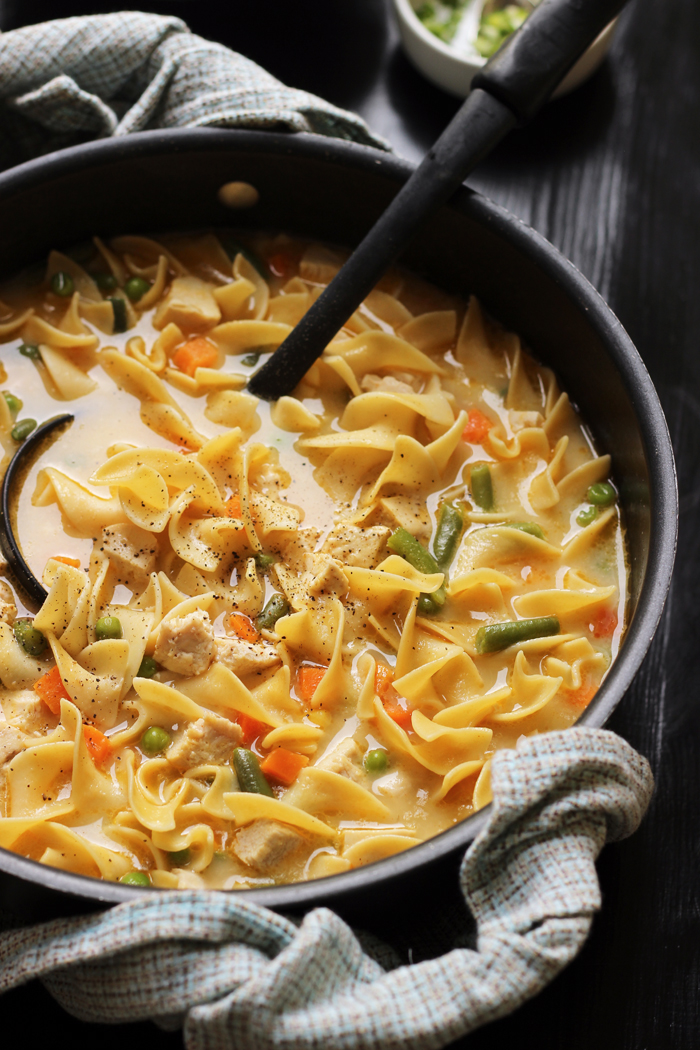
(283, 765)
(581, 697)
(383, 678)
(308, 681)
(51, 690)
(73, 562)
(252, 729)
(400, 715)
(233, 507)
(97, 744)
(243, 627)
(281, 264)
(477, 428)
(195, 353)
(604, 623)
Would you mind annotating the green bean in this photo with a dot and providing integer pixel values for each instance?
(447, 535)
(106, 282)
(251, 360)
(526, 526)
(481, 486)
(147, 668)
(265, 561)
(499, 636)
(376, 760)
(250, 776)
(276, 608)
(585, 517)
(155, 739)
(136, 878)
(108, 627)
(179, 857)
(62, 284)
(121, 320)
(22, 429)
(31, 351)
(32, 640)
(136, 288)
(407, 546)
(602, 494)
(14, 403)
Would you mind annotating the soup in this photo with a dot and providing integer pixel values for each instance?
(282, 641)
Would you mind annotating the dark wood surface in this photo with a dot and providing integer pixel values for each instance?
(611, 175)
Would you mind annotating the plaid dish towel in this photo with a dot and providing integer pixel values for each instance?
(233, 974)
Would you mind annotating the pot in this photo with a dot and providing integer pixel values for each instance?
(333, 191)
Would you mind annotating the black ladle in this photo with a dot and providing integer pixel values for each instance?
(19, 463)
(509, 90)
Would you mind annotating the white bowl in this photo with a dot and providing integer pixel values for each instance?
(449, 69)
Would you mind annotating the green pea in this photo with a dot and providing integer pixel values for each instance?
(585, 517)
(13, 403)
(376, 760)
(481, 486)
(179, 857)
(251, 360)
(106, 282)
(121, 320)
(62, 284)
(147, 668)
(22, 429)
(136, 288)
(136, 878)
(155, 739)
(265, 561)
(602, 494)
(32, 641)
(108, 627)
(31, 351)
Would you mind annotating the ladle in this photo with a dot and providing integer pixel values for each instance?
(509, 90)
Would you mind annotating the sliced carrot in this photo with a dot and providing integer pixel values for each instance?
(233, 507)
(581, 697)
(477, 428)
(281, 264)
(383, 679)
(308, 681)
(73, 562)
(195, 353)
(243, 627)
(400, 715)
(604, 623)
(51, 690)
(283, 765)
(97, 744)
(252, 729)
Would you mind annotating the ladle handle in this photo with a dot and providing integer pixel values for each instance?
(534, 61)
(512, 86)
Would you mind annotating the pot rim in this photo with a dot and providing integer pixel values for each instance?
(653, 431)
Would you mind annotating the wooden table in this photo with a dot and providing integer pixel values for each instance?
(611, 175)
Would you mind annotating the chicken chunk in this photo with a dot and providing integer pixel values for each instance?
(264, 844)
(132, 551)
(244, 658)
(345, 759)
(329, 576)
(189, 304)
(8, 609)
(351, 545)
(186, 644)
(208, 741)
(11, 743)
(387, 384)
(24, 709)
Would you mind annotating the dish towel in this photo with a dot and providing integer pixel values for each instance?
(231, 973)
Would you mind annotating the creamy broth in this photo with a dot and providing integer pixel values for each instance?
(282, 641)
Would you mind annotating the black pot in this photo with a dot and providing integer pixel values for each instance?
(334, 191)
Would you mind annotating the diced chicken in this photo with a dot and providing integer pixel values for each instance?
(353, 546)
(329, 577)
(132, 551)
(520, 420)
(186, 644)
(244, 658)
(410, 514)
(24, 710)
(8, 609)
(296, 547)
(345, 759)
(208, 741)
(189, 304)
(264, 844)
(396, 384)
(11, 743)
